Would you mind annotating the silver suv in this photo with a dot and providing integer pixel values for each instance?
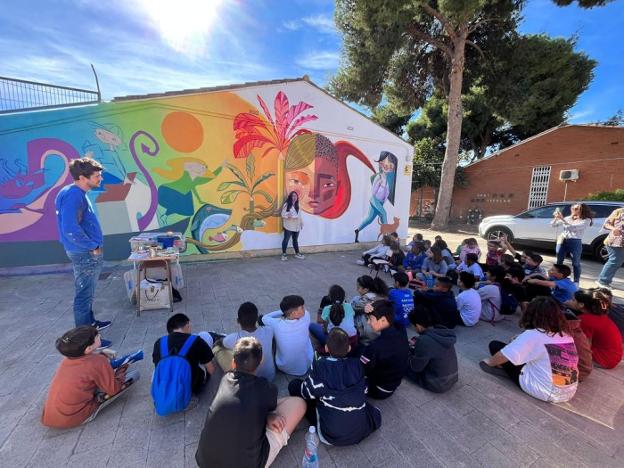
(532, 227)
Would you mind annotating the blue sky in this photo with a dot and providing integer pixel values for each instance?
(144, 46)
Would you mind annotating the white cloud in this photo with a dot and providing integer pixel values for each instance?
(291, 25)
(320, 60)
(581, 116)
(323, 24)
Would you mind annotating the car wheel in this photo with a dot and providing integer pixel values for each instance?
(497, 232)
(599, 249)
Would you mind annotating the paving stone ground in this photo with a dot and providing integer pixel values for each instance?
(483, 421)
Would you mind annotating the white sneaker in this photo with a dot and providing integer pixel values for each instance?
(284, 257)
(602, 285)
(300, 256)
(360, 262)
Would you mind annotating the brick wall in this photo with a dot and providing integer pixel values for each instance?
(500, 184)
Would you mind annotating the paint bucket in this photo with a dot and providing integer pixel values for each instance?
(167, 241)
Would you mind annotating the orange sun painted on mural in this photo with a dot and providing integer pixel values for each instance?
(182, 131)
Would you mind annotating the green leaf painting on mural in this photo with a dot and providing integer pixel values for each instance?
(249, 186)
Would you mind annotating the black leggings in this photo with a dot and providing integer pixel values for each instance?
(295, 240)
(512, 370)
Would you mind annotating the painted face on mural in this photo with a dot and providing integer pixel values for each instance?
(316, 184)
(195, 169)
(386, 166)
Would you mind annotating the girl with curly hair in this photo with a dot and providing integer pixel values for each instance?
(542, 360)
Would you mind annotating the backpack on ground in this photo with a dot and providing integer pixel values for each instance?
(171, 384)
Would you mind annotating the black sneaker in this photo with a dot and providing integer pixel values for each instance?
(105, 344)
(103, 325)
(216, 336)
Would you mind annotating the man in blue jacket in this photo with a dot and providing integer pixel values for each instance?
(81, 236)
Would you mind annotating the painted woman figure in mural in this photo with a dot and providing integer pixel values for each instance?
(316, 169)
(187, 174)
(383, 189)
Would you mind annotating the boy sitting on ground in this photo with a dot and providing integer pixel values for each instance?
(533, 265)
(402, 299)
(432, 361)
(85, 382)
(381, 250)
(290, 327)
(385, 358)
(335, 389)
(471, 266)
(490, 294)
(199, 354)
(558, 281)
(247, 319)
(246, 424)
(441, 300)
(468, 301)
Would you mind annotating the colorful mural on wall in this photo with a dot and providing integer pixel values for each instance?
(215, 166)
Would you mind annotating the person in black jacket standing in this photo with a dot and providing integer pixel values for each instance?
(385, 358)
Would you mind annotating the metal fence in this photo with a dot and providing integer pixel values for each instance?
(20, 95)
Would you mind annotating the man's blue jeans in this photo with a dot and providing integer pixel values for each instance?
(616, 258)
(87, 268)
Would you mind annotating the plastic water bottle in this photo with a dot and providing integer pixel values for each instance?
(310, 456)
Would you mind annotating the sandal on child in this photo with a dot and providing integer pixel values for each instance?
(498, 371)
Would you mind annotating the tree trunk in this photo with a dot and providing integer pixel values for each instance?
(453, 133)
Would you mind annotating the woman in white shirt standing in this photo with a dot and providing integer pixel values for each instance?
(571, 238)
(293, 224)
(543, 359)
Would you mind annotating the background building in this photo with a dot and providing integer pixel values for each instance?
(563, 163)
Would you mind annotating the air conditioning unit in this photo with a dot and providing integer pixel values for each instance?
(569, 175)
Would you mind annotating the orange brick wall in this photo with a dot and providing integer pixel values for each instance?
(500, 184)
(426, 195)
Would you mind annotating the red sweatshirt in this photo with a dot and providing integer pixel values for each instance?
(605, 338)
(71, 397)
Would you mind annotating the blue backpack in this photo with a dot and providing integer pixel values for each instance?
(171, 384)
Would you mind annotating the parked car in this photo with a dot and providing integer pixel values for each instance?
(532, 227)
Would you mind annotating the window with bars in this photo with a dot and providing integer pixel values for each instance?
(538, 193)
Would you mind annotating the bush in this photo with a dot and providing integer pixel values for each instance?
(618, 195)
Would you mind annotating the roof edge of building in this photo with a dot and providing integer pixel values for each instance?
(539, 135)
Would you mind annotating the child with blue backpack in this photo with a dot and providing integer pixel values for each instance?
(183, 365)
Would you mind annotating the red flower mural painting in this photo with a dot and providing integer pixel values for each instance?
(274, 134)
(254, 131)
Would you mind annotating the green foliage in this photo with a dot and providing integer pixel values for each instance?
(529, 89)
(538, 82)
(616, 120)
(393, 121)
(583, 3)
(427, 169)
(618, 195)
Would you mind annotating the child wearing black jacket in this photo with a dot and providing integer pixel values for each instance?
(385, 358)
(432, 358)
(335, 390)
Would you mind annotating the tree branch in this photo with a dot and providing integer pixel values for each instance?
(446, 24)
(423, 36)
(470, 43)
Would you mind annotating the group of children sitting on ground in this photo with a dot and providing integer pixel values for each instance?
(356, 350)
